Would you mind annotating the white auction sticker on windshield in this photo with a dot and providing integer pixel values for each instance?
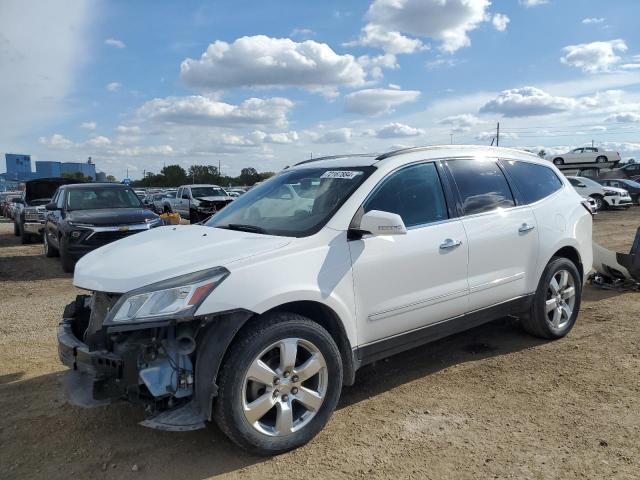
(344, 174)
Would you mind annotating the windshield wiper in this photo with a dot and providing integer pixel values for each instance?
(245, 228)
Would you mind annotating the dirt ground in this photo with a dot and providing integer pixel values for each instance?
(489, 403)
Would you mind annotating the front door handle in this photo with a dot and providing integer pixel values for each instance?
(525, 227)
(450, 243)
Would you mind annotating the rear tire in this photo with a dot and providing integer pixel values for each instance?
(556, 303)
(558, 161)
(295, 409)
(601, 159)
(16, 229)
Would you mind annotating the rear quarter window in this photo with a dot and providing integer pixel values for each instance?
(534, 182)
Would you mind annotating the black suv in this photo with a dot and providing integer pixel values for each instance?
(83, 217)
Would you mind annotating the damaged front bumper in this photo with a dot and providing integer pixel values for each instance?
(145, 366)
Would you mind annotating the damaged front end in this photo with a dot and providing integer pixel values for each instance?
(150, 360)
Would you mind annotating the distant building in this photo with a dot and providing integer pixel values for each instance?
(46, 169)
(101, 177)
(19, 169)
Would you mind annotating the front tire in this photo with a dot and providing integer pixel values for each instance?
(25, 237)
(16, 229)
(67, 261)
(600, 203)
(279, 384)
(49, 251)
(556, 302)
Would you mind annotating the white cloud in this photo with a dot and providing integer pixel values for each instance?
(261, 61)
(282, 138)
(630, 66)
(398, 130)
(391, 42)
(375, 101)
(125, 130)
(113, 86)
(43, 45)
(99, 141)
(303, 33)
(526, 102)
(461, 123)
(489, 134)
(624, 117)
(56, 141)
(88, 125)
(594, 57)
(114, 42)
(500, 22)
(533, 3)
(592, 20)
(448, 21)
(207, 111)
(339, 135)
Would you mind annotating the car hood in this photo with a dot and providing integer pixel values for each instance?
(111, 216)
(43, 188)
(167, 252)
(614, 190)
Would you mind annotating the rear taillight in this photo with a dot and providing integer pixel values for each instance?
(588, 207)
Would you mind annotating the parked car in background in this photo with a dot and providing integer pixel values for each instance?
(198, 202)
(162, 201)
(624, 184)
(6, 202)
(631, 171)
(30, 213)
(140, 193)
(605, 197)
(587, 155)
(261, 316)
(81, 218)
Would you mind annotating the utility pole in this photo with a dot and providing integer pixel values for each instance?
(498, 135)
(592, 143)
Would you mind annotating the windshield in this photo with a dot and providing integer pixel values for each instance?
(99, 198)
(295, 203)
(632, 183)
(207, 192)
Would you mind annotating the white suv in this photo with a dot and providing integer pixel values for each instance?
(259, 317)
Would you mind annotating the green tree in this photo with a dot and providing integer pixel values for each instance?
(111, 179)
(248, 176)
(203, 174)
(542, 153)
(77, 176)
(174, 175)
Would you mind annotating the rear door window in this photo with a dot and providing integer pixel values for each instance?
(533, 181)
(481, 185)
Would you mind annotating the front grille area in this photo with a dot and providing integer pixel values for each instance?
(102, 238)
(213, 205)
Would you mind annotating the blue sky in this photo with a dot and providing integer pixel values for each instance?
(136, 85)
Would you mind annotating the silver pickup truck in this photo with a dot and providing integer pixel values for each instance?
(198, 202)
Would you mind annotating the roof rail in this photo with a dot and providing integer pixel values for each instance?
(434, 147)
(333, 157)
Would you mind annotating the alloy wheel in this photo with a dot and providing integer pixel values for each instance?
(284, 387)
(560, 299)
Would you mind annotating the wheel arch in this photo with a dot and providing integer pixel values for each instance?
(571, 253)
(218, 335)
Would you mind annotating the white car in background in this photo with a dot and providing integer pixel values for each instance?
(587, 155)
(605, 197)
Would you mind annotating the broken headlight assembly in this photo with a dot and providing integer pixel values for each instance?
(175, 298)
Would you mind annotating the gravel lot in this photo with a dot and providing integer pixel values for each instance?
(489, 403)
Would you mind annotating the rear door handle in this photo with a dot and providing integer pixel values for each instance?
(450, 243)
(525, 227)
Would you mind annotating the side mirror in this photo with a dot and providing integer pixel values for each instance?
(380, 223)
(581, 185)
(51, 206)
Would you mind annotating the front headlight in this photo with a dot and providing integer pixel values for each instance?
(174, 298)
